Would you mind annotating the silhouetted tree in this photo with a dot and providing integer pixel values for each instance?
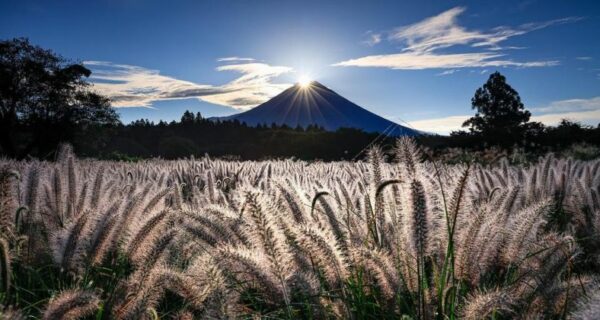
(501, 117)
(187, 118)
(44, 99)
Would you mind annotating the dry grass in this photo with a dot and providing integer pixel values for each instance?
(289, 239)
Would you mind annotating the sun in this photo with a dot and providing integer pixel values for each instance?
(304, 81)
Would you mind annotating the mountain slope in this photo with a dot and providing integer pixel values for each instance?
(316, 104)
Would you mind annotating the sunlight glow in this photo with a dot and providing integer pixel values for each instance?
(304, 81)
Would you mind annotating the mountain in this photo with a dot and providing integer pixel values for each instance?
(315, 104)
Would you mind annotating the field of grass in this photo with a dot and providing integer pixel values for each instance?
(204, 238)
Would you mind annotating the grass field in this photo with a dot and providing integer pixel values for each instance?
(203, 238)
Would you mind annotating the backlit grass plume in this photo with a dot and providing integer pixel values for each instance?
(391, 237)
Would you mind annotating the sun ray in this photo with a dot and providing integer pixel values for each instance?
(304, 81)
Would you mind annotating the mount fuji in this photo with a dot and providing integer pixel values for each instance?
(315, 104)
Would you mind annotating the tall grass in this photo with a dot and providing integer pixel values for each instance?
(204, 238)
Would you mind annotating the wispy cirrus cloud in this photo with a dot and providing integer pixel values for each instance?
(570, 105)
(447, 72)
(419, 61)
(134, 86)
(372, 38)
(424, 40)
(254, 87)
(228, 59)
(586, 111)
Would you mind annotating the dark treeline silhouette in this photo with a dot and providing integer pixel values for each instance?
(537, 139)
(196, 136)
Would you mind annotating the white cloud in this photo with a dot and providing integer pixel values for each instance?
(586, 111)
(448, 72)
(439, 125)
(133, 86)
(503, 33)
(418, 61)
(584, 58)
(436, 32)
(252, 88)
(228, 59)
(423, 41)
(570, 105)
(591, 117)
(372, 38)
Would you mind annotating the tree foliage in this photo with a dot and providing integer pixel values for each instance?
(501, 118)
(44, 99)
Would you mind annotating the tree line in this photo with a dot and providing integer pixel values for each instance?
(194, 135)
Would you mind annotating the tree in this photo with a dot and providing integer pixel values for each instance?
(44, 100)
(187, 117)
(501, 118)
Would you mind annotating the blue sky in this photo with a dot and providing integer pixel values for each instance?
(418, 62)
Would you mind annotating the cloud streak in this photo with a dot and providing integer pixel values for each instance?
(237, 59)
(570, 105)
(439, 125)
(424, 40)
(134, 86)
(420, 61)
(372, 38)
(447, 72)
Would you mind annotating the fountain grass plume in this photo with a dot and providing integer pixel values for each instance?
(5, 266)
(72, 304)
(482, 305)
(415, 238)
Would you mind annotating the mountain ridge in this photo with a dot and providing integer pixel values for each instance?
(316, 104)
